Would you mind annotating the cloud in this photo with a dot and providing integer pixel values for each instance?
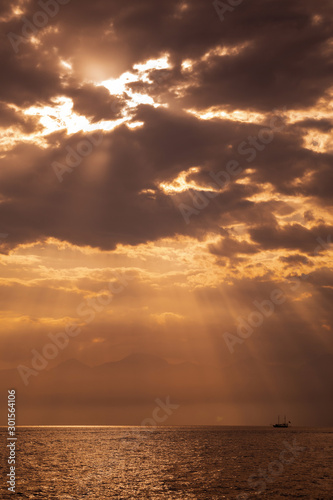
(168, 97)
(230, 247)
(292, 237)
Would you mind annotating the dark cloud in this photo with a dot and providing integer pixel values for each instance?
(11, 118)
(229, 247)
(286, 63)
(292, 237)
(320, 184)
(103, 201)
(29, 77)
(291, 260)
(113, 207)
(96, 103)
(323, 125)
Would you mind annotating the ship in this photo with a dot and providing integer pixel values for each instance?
(283, 424)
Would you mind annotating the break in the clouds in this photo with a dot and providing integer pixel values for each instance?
(152, 138)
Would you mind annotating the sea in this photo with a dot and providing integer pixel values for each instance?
(204, 463)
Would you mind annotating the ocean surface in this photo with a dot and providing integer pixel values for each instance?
(206, 463)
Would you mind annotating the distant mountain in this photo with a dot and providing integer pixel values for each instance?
(109, 390)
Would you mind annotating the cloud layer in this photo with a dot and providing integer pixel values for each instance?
(194, 153)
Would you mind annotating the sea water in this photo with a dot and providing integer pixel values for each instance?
(204, 463)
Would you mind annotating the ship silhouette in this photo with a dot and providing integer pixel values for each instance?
(283, 424)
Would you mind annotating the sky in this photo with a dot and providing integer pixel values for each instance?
(165, 210)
